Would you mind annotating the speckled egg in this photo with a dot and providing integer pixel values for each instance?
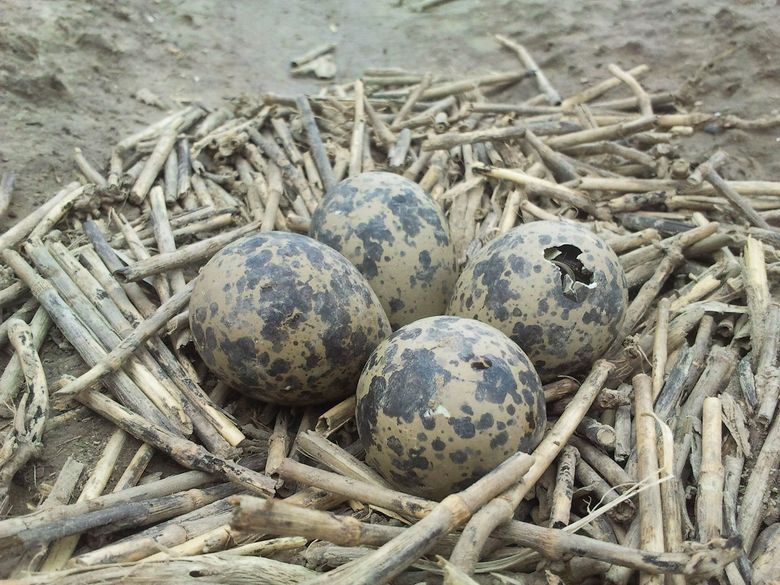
(443, 401)
(284, 318)
(397, 237)
(555, 288)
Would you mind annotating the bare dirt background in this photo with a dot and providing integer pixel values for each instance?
(69, 70)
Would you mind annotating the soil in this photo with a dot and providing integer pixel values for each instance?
(69, 71)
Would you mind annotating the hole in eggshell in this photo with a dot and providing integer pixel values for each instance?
(481, 364)
(576, 280)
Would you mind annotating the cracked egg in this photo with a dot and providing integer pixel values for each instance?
(555, 288)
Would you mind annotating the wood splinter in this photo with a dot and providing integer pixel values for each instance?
(23, 441)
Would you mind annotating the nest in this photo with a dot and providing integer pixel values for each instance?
(659, 462)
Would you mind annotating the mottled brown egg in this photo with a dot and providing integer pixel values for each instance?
(283, 318)
(397, 237)
(555, 288)
(445, 400)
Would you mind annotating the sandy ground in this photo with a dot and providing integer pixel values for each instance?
(69, 70)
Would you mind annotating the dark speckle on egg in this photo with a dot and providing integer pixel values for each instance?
(443, 401)
(286, 319)
(396, 236)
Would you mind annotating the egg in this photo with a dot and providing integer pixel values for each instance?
(555, 288)
(397, 237)
(443, 401)
(285, 319)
